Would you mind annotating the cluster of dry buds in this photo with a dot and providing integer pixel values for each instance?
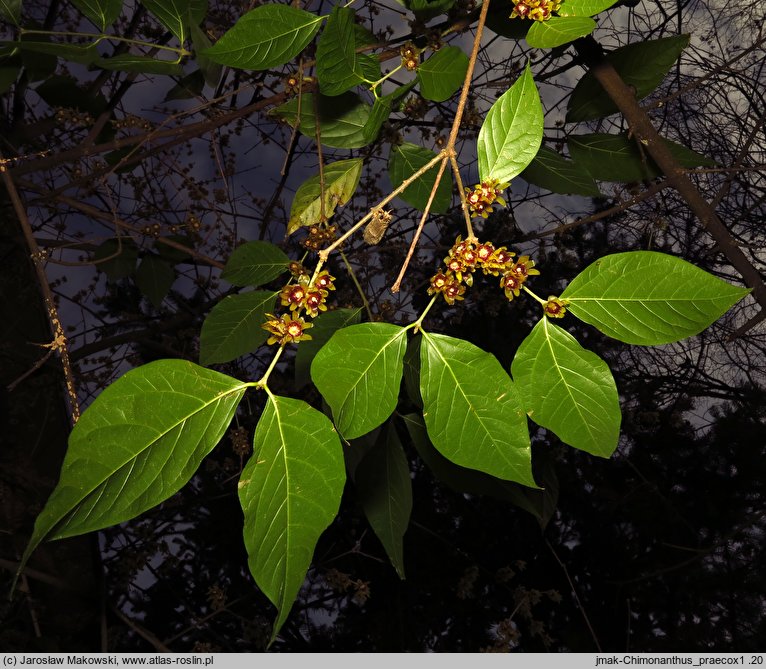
(466, 256)
(410, 56)
(319, 236)
(304, 296)
(536, 10)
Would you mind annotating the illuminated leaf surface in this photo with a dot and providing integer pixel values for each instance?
(359, 372)
(512, 131)
(290, 491)
(255, 263)
(584, 7)
(472, 409)
(139, 442)
(568, 389)
(442, 74)
(649, 298)
(267, 36)
(233, 326)
(559, 30)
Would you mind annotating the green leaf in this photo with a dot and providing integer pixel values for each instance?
(512, 131)
(77, 53)
(464, 480)
(568, 389)
(382, 481)
(267, 36)
(325, 325)
(642, 66)
(103, 13)
(555, 173)
(233, 326)
(339, 66)
(10, 10)
(359, 372)
(584, 7)
(442, 74)
(140, 441)
(210, 70)
(255, 263)
(290, 491)
(473, 411)
(176, 15)
(188, 87)
(412, 371)
(342, 119)
(128, 62)
(381, 110)
(154, 278)
(8, 77)
(559, 30)
(616, 158)
(406, 159)
(340, 181)
(648, 298)
(116, 258)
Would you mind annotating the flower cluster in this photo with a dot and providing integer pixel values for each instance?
(304, 296)
(467, 255)
(410, 56)
(536, 10)
(482, 196)
(319, 236)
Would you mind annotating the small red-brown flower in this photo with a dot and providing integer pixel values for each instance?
(285, 329)
(324, 281)
(524, 267)
(438, 283)
(454, 290)
(554, 307)
(315, 301)
(511, 285)
(293, 296)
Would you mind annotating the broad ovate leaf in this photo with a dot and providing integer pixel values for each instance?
(512, 131)
(555, 173)
(584, 7)
(649, 298)
(568, 389)
(154, 278)
(642, 66)
(383, 485)
(404, 161)
(290, 491)
(359, 372)
(267, 36)
(339, 66)
(473, 411)
(255, 263)
(139, 442)
(176, 15)
(310, 203)
(559, 30)
(233, 326)
(324, 326)
(442, 74)
(343, 119)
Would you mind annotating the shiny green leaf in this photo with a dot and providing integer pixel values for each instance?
(210, 70)
(403, 162)
(584, 7)
(290, 491)
(325, 326)
(342, 119)
(233, 326)
(255, 263)
(384, 489)
(139, 442)
(568, 389)
(359, 372)
(176, 15)
(559, 30)
(473, 411)
(340, 181)
(267, 36)
(442, 74)
(644, 297)
(555, 173)
(512, 131)
(339, 66)
(642, 66)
